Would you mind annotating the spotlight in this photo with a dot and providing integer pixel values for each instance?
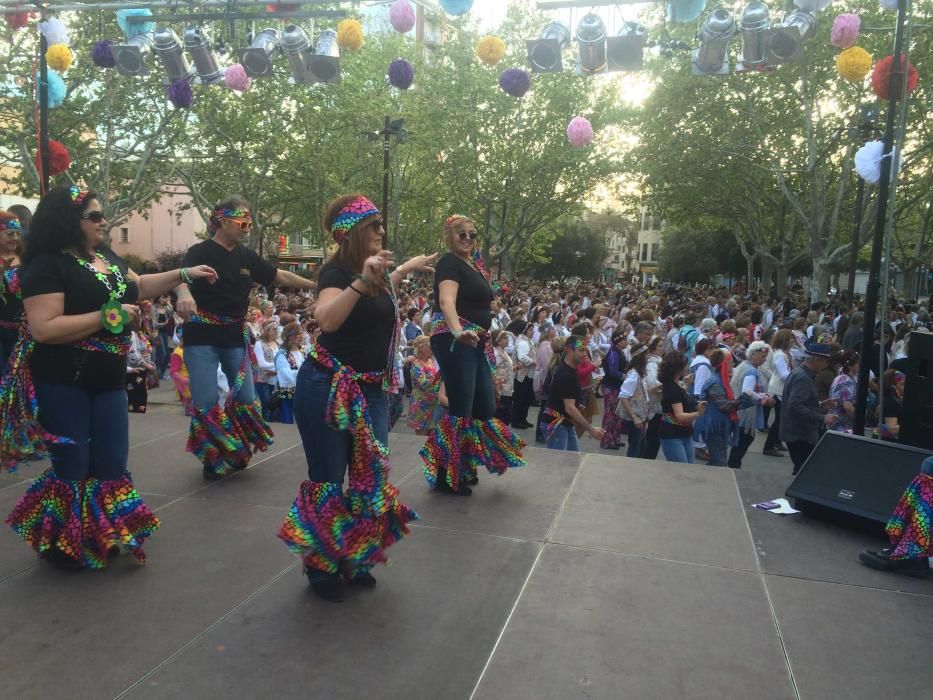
(295, 45)
(168, 48)
(785, 42)
(591, 42)
(544, 53)
(324, 63)
(712, 56)
(199, 45)
(130, 58)
(624, 52)
(257, 59)
(755, 23)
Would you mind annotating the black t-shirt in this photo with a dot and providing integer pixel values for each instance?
(362, 342)
(63, 363)
(237, 269)
(671, 393)
(565, 384)
(11, 307)
(474, 295)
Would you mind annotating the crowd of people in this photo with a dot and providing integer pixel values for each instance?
(693, 373)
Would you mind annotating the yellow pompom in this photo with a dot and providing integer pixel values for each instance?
(490, 50)
(59, 57)
(349, 34)
(853, 64)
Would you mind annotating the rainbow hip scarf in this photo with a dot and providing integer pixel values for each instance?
(331, 530)
(438, 326)
(459, 446)
(556, 419)
(909, 524)
(228, 434)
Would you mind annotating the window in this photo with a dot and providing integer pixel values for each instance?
(124, 235)
(644, 252)
(615, 258)
(655, 250)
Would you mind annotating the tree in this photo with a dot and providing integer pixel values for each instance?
(576, 249)
(696, 256)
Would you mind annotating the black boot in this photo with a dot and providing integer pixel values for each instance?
(918, 568)
(330, 588)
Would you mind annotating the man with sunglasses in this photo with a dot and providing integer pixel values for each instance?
(226, 435)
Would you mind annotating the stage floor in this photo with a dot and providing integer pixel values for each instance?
(579, 576)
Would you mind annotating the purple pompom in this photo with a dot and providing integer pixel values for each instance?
(180, 94)
(402, 16)
(401, 74)
(100, 54)
(515, 82)
(579, 132)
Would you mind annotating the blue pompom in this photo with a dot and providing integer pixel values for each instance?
(456, 7)
(56, 89)
(131, 29)
(684, 10)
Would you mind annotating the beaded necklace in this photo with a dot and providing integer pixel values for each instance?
(103, 278)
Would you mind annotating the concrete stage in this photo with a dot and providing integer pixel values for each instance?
(580, 576)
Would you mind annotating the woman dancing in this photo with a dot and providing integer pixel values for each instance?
(11, 302)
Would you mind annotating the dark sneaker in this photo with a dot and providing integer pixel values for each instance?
(329, 587)
(444, 487)
(364, 580)
(60, 560)
(471, 480)
(238, 467)
(918, 568)
(771, 452)
(210, 474)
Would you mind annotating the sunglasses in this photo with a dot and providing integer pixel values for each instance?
(242, 223)
(95, 216)
(377, 224)
(463, 235)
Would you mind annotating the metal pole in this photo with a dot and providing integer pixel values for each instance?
(856, 231)
(43, 115)
(385, 177)
(871, 293)
(8, 7)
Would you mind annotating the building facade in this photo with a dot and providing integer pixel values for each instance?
(650, 229)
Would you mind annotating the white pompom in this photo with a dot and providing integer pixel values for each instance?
(868, 161)
(54, 31)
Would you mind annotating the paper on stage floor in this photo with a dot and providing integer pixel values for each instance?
(779, 505)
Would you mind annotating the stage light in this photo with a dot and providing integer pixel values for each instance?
(754, 26)
(324, 63)
(295, 46)
(712, 56)
(544, 53)
(198, 44)
(785, 41)
(591, 45)
(168, 48)
(624, 52)
(257, 59)
(130, 58)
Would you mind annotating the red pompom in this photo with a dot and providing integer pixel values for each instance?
(881, 78)
(18, 20)
(282, 7)
(59, 158)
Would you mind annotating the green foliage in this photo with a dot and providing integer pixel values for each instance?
(136, 263)
(576, 249)
(696, 256)
(169, 259)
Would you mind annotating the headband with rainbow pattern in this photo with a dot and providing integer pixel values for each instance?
(574, 342)
(10, 225)
(352, 214)
(222, 213)
(78, 195)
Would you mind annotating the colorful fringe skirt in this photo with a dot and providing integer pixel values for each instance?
(86, 520)
(228, 435)
(909, 524)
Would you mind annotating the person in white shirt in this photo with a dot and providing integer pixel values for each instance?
(288, 361)
(264, 350)
(526, 359)
(780, 363)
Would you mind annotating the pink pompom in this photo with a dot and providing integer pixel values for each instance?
(845, 31)
(402, 16)
(579, 132)
(236, 79)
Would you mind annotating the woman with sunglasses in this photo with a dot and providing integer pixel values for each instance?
(11, 301)
(65, 392)
(342, 410)
(469, 436)
(225, 437)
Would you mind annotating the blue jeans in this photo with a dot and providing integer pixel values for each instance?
(636, 439)
(264, 392)
(467, 378)
(564, 437)
(202, 361)
(97, 421)
(164, 352)
(717, 448)
(678, 449)
(327, 450)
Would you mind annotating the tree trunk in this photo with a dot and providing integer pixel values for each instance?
(767, 271)
(780, 281)
(750, 272)
(819, 279)
(505, 266)
(909, 289)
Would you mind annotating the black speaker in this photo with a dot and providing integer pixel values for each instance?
(916, 422)
(855, 479)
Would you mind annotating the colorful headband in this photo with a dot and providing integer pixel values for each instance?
(453, 219)
(573, 342)
(222, 213)
(78, 195)
(352, 214)
(10, 225)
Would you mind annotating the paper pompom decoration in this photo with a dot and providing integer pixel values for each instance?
(813, 5)
(868, 161)
(132, 29)
(59, 158)
(845, 30)
(490, 50)
(684, 10)
(889, 4)
(456, 7)
(235, 78)
(349, 34)
(853, 64)
(881, 78)
(401, 74)
(18, 20)
(579, 132)
(53, 29)
(402, 16)
(514, 81)
(101, 55)
(59, 57)
(282, 7)
(180, 94)
(56, 89)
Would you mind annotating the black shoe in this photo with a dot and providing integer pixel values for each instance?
(780, 447)
(522, 426)
(238, 467)
(611, 447)
(364, 580)
(330, 588)
(60, 560)
(444, 487)
(210, 474)
(471, 480)
(918, 568)
(771, 452)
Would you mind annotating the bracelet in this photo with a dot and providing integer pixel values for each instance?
(350, 286)
(363, 280)
(456, 334)
(185, 275)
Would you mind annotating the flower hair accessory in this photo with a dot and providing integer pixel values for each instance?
(352, 214)
(78, 195)
(10, 225)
